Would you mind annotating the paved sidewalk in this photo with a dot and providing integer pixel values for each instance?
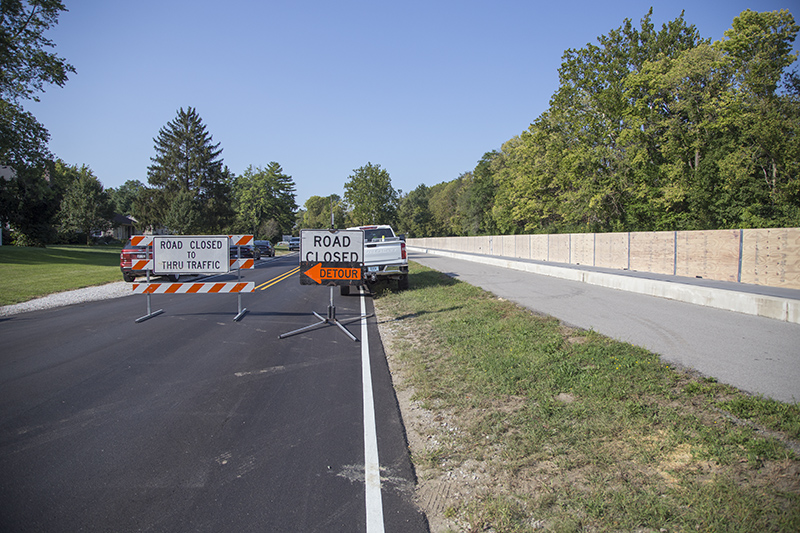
(753, 353)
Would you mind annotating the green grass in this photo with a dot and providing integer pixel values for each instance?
(27, 273)
(586, 433)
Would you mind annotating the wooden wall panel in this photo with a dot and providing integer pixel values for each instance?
(582, 249)
(506, 245)
(483, 245)
(611, 250)
(539, 247)
(559, 248)
(522, 246)
(708, 254)
(771, 257)
(653, 252)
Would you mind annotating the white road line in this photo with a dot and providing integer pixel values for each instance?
(372, 469)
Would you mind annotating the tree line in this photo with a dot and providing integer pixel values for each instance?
(650, 129)
(189, 190)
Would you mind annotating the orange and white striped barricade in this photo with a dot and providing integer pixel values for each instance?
(223, 287)
(148, 265)
(240, 240)
(142, 240)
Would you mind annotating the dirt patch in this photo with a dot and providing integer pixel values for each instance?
(445, 486)
(446, 478)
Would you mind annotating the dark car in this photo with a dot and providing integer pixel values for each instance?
(131, 253)
(248, 252)
(265, 247)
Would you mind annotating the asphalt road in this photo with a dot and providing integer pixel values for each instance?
(755, 354)
(190, 421)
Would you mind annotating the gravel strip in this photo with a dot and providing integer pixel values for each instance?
(88, 294)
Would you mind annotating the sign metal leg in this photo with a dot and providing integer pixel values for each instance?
(150, 314)
(242, 312)
(326, 321)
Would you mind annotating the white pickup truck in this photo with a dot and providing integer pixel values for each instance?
(384, 256)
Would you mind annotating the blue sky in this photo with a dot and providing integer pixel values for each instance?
(423, 88)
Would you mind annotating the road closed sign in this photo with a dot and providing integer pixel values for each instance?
(331, 257)
(198, 254)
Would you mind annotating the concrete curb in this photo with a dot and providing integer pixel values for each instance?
(784, 309)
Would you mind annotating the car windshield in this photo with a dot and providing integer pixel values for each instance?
(129, 246)
(378, 234)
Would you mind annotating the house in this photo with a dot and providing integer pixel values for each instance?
(123, 227)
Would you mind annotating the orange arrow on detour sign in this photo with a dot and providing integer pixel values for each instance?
(323, 275)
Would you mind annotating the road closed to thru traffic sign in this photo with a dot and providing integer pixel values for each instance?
(331, 257)
(198, 254)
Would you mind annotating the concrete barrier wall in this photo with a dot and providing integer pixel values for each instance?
(769, 257)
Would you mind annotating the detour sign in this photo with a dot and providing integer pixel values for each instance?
(324, 275)
(331, 257)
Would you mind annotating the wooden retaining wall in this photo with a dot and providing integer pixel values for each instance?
(769, 257)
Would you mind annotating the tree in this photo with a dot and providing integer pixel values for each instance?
(717, 136)
(187, 168)
(27, 203)
(86, 207)
(443, 204)
(370, 197)
(760, 47)
(123, 197)
(481, 195)
(150, 208)
(27, 67)
(264, 195)
(414, 215)
(590, 109)
(763, 160)
(318, 212)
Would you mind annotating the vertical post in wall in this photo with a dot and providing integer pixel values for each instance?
(675, 254)
(741, 248)
(629, 251)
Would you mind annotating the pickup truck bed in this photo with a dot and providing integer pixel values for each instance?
(384, 256)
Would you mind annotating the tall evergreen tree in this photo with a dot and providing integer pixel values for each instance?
(123, 196)
(187, 169)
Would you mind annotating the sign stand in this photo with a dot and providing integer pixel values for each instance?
(329, 320)
(150, 314)
(331, 257)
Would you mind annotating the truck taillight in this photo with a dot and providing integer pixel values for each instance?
(403, 250)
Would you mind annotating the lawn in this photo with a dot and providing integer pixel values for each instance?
(27, 273)
(534, 425)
